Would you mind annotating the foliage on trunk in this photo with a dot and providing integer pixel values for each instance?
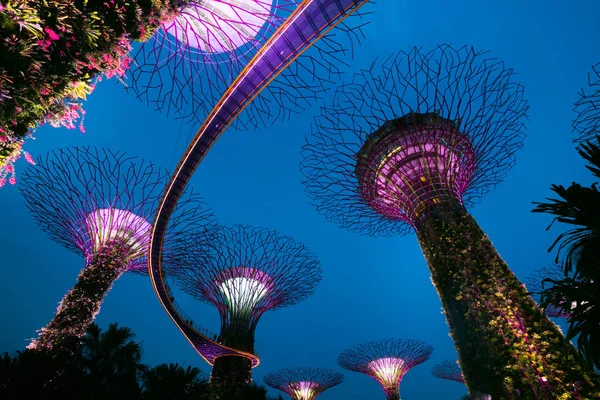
(507, 347)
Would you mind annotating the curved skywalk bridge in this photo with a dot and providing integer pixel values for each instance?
(311, 20)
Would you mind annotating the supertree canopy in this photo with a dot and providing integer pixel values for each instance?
(587, 123)
(244, 272)
(303, 383)
(386, 361)
(411, 144)
(449, 370)
(188, 64)
(542, 279)
(98, 203)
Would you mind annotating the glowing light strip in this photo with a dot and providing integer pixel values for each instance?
(258, 57)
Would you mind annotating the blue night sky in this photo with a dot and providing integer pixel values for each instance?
(372, 288)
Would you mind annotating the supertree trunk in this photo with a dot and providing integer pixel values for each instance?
(81, 304)
(230, 374)
(507, 347)
(392, 394)
(53, 49)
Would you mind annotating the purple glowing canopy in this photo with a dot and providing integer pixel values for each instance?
(186, 66)
(386, 361)
(303, 383)
(458, 111)
(244, 267)
(88, 198)
(217, 26)
(413, 162)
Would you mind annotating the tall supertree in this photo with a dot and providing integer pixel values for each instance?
(191, 61)
(410, 145)
(303, 383)
(449, 370)
(386, 361)
(99, 203)
(586, 125)
(244, 272)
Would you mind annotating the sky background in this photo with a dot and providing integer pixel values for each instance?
(372, 288)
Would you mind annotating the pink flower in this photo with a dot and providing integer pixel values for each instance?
(53, 35)
(12, 180)
(10, 168)
(3, 139)
(28, 158)
(44, 91)
(2, 182)
(81, 128)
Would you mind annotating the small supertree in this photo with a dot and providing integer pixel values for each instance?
(586, 125)
(410, 145)
(190, 62)
(449, 370)
(99, 204)
(386, 361)
(244, 272)
(303, 383)
(542, 279)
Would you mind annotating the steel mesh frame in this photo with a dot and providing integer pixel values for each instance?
(69, 184)
(462, 85)
(586, 125)
(183, 82)
(289, 380)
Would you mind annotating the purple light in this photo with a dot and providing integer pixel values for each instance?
(108, 225)
(387, 371)
(303, 390)
(413, 163)
(218, 26)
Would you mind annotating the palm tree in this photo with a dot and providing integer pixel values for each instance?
(112, 362)
(578, 292)
(41, 375)
(172, 382)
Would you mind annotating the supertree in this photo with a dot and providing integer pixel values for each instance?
(244, 272)
(386, 361)
(303, 383)
(449, 370)
(187, 65)
(98, 203)
(410, 145)
(586, 125)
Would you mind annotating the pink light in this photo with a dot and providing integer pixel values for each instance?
(403, 170)
(303, 390)
(388, 371)
(217, 26)
(106, 225)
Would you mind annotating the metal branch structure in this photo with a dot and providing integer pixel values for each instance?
(386, 361)
(309, 23)
(244, 272)
(98, 203)
(449, 370)
(535, 285)
(408, 145)
(303, 383)
(188, 64)
(586, 125)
